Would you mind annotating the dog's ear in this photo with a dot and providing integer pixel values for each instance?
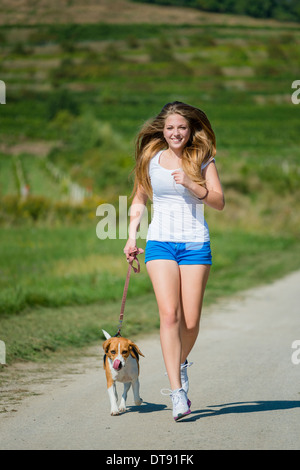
(107, 335)
(106, 345)
(134, 350)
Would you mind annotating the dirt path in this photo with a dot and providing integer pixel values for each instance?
(245, 389)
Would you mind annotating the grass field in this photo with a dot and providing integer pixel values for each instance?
(60, 287)
(77, 94)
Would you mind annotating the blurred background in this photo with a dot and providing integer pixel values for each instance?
(81, 78)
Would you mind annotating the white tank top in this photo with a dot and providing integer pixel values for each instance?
(178, 215)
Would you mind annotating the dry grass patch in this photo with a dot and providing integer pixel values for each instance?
(114, 12)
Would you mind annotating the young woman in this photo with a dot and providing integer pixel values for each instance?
(175, 167)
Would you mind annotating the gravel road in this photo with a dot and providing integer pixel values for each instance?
(244, 388)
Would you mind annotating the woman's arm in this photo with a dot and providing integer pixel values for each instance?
(215, 196)
(136, 212)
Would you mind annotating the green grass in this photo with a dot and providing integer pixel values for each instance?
(60, 287)
(8, 184)
(63, 266)
(59, 284)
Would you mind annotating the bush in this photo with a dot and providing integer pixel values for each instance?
(62, 100)
(38, 209)
(160, 50)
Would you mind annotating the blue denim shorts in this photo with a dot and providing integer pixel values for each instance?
(182, 253)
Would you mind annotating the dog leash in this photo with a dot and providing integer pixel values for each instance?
(137, 269)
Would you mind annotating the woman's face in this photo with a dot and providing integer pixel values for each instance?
(176, 132)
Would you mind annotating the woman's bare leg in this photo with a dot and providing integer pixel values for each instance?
(165, 277)
(193, 279)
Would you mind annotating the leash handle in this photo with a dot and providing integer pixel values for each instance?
(133, 254)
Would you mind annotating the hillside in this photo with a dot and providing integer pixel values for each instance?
(26, 12)
(81, 78)
(282, 10)
(77, 94)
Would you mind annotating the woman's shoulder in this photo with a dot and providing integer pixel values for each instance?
(210, 160)
(155, 158)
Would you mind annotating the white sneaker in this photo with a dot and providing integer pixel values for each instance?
(180, 403)
(184, 376)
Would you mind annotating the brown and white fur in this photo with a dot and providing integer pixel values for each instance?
(121, 364)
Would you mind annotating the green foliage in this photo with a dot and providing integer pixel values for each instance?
(60, 287)
(73, 33)
(102, 96)
(62, 100)
(41, 210)
(160, 50)
(93, 152)
(284, 10)
(86, 102)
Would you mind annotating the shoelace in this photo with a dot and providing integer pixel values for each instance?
(167, 390)
(176, 397)
(188, 364)
(172, 393)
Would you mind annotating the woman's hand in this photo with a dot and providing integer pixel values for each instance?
(129, 248)
(181, 178)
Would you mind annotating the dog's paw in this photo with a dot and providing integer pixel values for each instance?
(138, 402)
(114, 412)
(122, 406)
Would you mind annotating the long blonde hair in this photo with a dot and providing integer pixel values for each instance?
(199, 149)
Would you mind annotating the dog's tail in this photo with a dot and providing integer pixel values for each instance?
(107, 336)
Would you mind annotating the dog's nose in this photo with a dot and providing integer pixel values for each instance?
(117, 365)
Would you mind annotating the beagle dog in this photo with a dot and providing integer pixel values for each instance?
(121, 364)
